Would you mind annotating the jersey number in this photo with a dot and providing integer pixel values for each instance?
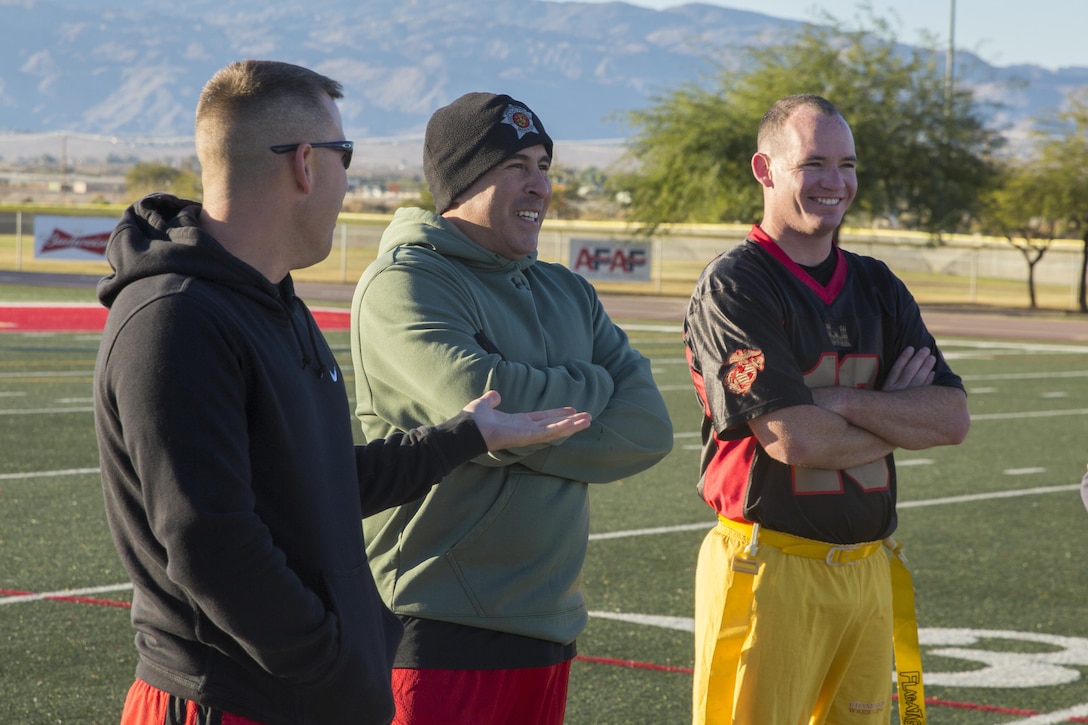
(857, 371)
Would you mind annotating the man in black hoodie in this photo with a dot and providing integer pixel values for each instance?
(233, 488)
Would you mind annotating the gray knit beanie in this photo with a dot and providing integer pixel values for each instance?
(467, 138)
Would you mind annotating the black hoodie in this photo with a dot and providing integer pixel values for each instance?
(232, 485)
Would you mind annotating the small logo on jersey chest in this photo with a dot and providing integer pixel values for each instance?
(839, 337)
(746, 364)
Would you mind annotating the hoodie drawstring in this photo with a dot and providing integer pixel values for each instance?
(315, 347)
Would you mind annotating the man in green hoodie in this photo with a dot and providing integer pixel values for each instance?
(485, 570)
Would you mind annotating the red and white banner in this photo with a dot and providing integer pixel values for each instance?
(611, 260)
(72, 237)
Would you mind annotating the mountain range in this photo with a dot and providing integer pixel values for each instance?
(134, 68)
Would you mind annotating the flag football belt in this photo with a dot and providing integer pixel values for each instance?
(908, 658)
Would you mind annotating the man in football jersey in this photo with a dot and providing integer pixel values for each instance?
(813, 365)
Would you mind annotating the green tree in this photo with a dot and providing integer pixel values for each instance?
(924, 153)
(1063, 149)
(693, 149)
(150, 176)
(1022, 209)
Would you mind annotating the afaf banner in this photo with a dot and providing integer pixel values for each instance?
(611, 260)
(72, 237)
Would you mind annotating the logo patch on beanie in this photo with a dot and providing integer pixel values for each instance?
(520, 118)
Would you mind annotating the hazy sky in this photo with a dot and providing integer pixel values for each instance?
(1049, 33)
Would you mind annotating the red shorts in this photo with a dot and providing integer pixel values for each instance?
(530, 696)
(147, 705)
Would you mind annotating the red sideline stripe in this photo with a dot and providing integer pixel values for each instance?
(91, 600)
(634, 664)
(330, 319)
(936, 702)
(52, 318)
(932, 701)
(75, 600)
(92, 318)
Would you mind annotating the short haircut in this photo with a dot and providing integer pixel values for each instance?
(770, 128)
(253, 104)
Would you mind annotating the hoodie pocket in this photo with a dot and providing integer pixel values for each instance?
(524, 557)
(357, 688)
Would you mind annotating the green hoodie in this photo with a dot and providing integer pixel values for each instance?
(438, 320)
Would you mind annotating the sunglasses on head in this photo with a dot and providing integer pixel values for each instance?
(346, 148)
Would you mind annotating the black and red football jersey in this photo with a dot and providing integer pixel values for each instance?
(760, 334)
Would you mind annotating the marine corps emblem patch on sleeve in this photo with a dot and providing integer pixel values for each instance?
(746, 364)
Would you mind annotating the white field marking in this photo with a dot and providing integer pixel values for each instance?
(1001, 669)
(1038, 491)
(1028, 414)
(1023, 471)
(654, 328)
(1029, 376)
(974, 417)
(1024, 346)
(980, 355)
(651, 532)
(943, 343)
(21, 598)
(914, 462)
(75, 400)
(49, 474)
(1051, 666)
(691, 447)
(683, 624)
(1054, 717)
(13, 395)
(988, 496)
(45, 411)
(1058, 375)
(57, 374)
(971, 391)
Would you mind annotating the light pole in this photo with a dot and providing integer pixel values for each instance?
(950, 61)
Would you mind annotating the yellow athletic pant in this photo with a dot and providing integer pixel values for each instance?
(805, 641)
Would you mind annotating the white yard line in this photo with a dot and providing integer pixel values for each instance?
(66, 593)
(1054, 717)
(970, 498)
(57, 374)
(48, 474)
(45, 411)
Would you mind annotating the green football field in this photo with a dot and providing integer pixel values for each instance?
(994, 529)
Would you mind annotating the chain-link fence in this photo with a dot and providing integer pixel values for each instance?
(959, 269)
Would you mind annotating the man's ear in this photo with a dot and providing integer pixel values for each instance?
(302, 167)
(761, 169)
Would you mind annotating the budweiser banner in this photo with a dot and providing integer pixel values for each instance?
(72, 237)
(611, 260)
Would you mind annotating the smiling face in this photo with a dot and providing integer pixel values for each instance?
(809, 179)
(503, 210)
